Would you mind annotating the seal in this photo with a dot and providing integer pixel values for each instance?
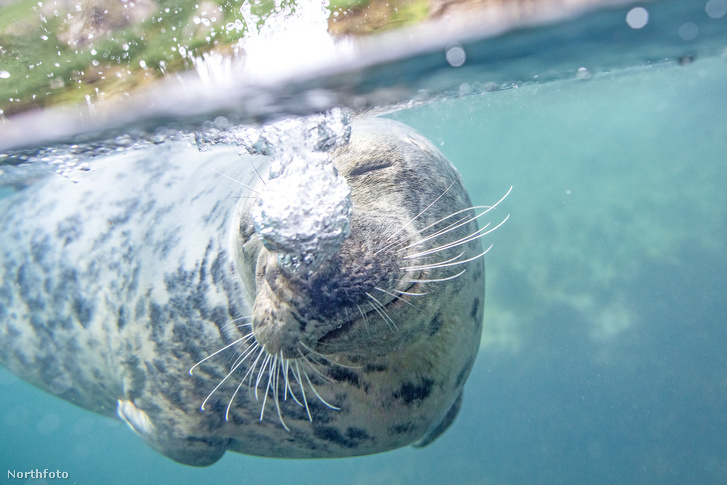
(146, 291)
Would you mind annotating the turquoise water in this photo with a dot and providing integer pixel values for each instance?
(602, 359)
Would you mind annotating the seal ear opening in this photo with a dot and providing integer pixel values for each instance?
(440, 428)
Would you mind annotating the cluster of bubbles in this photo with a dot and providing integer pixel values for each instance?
(303, 211)
(20, 168)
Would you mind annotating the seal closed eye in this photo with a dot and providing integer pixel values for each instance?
(370, 167)
(363, 350)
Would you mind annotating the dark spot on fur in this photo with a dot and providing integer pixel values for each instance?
(139, 310)
(403, 428)
(83, 310)
(40, 249)
(47, 365)
(121, 319)
(410, 392)
(342, 374)
(480, 272)
(435, 325)
(38, 325)
(220, 316)
(302, 324)
(217, 269)
(69, 229)
(135, 369)
(156, 316)
(134, 281)
(320, 413)
(357, 434)
(351, 438)
(375, 368)
(475, 309)
(28, 284)
(128, 208)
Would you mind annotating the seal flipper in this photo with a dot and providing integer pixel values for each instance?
(188, 451)
(440, 428)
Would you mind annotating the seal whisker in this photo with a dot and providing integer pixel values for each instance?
(310, 360)
(452, 226)
(445, 261)
(236, 181)
(260, 177)
(251, 371)
(448, 229)
(391, 294)
(307, 359)
(266, 366)
(237, 364)
(409, 293)
(234, 394)
(418, 215)
(231, 322)
(445, 264)
(244, 355)
(313, 388)
(217, 387)
(284, 364)
(241, 339)
(475, 235)
(440, 233)
(382, 312)
(249, 351)
(276, 385)
(438, 280)
(365, 319)
(288, 368)
(302, 390)
(260, 373)
(232, 399)
(324, 357)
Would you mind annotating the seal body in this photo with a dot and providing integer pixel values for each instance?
(114, 287)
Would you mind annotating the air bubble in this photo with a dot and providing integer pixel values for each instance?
(456, 56)
(48, 424)
(637, 17)
(61, 384)
(688, 31)
(716, 9)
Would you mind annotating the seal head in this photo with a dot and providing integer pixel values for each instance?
(350, 303)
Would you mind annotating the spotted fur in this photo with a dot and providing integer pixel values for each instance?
(120, 283)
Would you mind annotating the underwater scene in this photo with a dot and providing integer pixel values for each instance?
(601, 357)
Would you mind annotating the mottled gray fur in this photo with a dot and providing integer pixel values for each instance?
(114, 286)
